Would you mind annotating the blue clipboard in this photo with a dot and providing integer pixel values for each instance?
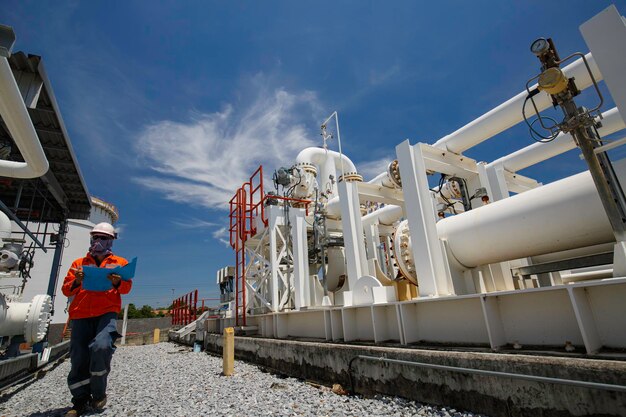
(96, 278)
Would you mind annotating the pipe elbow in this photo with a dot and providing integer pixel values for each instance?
(312, 155)
(20, 126)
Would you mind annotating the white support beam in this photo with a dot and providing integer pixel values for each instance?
(584, 317)
(276, 219)
(429, 258)
(352, 232)
(297, 217)
(493, 321)
(379, 194)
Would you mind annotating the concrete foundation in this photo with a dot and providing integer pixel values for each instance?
(328, 363)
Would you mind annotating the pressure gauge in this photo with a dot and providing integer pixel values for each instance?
(540, 46)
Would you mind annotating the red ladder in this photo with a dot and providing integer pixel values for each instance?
(243, 209)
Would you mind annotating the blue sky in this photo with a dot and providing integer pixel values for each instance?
(170, 106)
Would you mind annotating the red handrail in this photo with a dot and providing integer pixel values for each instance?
(184, 309)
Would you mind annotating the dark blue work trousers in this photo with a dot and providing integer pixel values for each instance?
(91, 350)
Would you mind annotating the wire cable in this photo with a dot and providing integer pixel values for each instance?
(533, 132)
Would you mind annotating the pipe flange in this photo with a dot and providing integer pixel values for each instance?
(351, 177)
(403, 251)
(393, 171)
(38, 318)
(307, 167)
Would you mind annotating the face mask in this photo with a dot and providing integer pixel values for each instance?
(100, 247)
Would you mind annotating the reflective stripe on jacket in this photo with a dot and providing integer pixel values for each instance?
(94, 303)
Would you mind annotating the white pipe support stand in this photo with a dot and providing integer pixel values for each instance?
(352, 226)
(299, 250)
(431, 267)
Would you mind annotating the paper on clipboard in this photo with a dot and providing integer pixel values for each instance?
(96, 279)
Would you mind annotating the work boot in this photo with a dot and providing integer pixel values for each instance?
(99, 404)
(76, 410)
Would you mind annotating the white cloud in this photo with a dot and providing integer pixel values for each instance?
(372, 168)
(194, 223)
(222, 235)
(204, 160)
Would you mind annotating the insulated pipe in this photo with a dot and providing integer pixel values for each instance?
(28, 319)
(509, 113)
(587, 275)
(5, 227)
(563, 215)
(333, 208)
(319, 156)
(387, 215)
(390, 178)
(15, 116)
(382, 179)
(539, 152)
(328, 163)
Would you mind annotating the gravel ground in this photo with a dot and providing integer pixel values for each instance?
(170, 380)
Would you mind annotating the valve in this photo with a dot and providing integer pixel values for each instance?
(580, 123)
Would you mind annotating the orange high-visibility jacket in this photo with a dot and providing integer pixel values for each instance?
(94, 303)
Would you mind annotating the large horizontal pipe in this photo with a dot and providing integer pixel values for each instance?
(539, 152)
(15, 116)
(387, 215)
(559, 216)
(509, 113)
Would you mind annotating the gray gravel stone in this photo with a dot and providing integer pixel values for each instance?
(170, 380)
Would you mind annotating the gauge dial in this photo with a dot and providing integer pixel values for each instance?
(539, 46)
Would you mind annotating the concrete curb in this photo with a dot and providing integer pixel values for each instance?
(327, 363)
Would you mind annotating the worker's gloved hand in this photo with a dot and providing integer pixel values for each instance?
(115, 279)
(78, 276)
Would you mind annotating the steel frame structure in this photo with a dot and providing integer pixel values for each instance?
(475, 303)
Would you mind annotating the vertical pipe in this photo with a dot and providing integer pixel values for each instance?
(56, 262)
(195, 305)
(20, 125)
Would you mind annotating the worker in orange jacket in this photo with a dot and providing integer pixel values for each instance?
(93, 315)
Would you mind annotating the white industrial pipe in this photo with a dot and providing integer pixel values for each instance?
(333, 208)
(328, 163)
(539, 152)
(28, 319)
(5, 227)
(585, 275)
(387, 215)
(15, 116)
(509, 113)
(319, 156)
(382, 179)
(563, 215)
(390, 178)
